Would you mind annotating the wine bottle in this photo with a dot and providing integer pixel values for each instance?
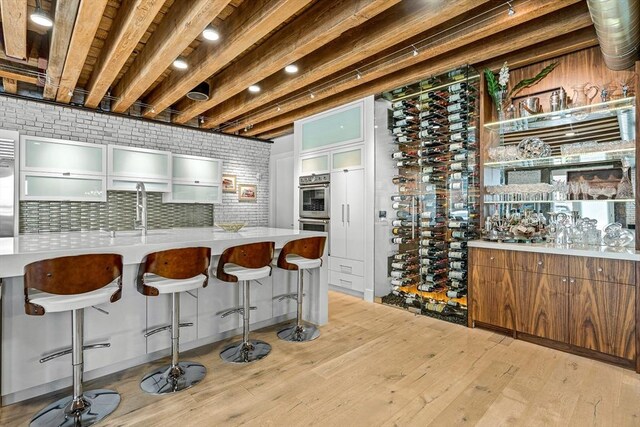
(458, 254)
(402, 240)
(457, 87)
(433, 243)
(434, 178)
(404, 265)
(458, 117)
(429, 151)
(458, 274)
(401, 198)
(407, 281)
(459, 234)
(458, 136)
(406, 163)
(432, 252)
(458, 224)
(404, 130)
(402, 214)
(402, 155)
(459, 265)
(404, 103)
(458, 245)
(402, 179)
(455, 294)
(406, 256)
(433, 262)
(401, 231)
(403, 223)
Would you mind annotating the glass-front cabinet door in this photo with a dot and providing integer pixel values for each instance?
(342, 126)
(346, 159)
(315, 164)
(62, 187)
(196, 169)
(56, 155)
(132, 164)
(194, 193)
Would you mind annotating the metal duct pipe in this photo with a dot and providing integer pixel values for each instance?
(617, 25)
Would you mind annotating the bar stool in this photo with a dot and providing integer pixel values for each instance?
(72, 284)
(301, 255)
(172, 272)
(245, 263)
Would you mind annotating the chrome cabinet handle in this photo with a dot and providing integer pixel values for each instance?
(564, 280)
(343, 213)
(492, 258)
(348, 213)
(539, 262)
(599, 269)
(572, 281)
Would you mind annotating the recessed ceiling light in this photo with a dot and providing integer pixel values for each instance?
(291, 68)
(41, 17)
(210, 33)
(180, 64)
(254, 88)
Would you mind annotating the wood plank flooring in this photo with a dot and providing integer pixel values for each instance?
(379, 366)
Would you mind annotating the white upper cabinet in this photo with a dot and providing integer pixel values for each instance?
(57, 155)
(129, 165)
(196, 169)
(195, 180)
(347, 159)
(59, 170)
(343, 126)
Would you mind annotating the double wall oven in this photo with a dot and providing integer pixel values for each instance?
(315, 197)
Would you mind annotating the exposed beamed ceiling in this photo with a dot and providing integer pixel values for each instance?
(117, 55)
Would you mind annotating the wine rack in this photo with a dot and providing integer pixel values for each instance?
(434, 124)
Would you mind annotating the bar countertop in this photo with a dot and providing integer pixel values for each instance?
(623, 253)
(16, 252)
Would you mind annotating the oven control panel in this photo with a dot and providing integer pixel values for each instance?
(315, 179)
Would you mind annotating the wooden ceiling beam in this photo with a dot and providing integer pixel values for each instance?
(395, 25)
(494, 22)
(275, 133)
(89, 17)
(131, 22)
(65, 18)
(14, 27)
(10, 85)
(320, 24)
(538, 31)
(181, 25)
(252, 21)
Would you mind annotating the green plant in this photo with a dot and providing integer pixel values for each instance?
(494, 87)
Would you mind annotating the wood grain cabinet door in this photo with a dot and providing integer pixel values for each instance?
(602, 317)
(493, 297)
(543, 305)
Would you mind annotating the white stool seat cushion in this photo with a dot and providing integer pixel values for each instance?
(302, 262)
(170, 286)
(53, 303)
(243, 273)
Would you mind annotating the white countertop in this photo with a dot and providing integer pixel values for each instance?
(16, 252)
(625, 253)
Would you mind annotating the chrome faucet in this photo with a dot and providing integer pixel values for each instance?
(141, 208)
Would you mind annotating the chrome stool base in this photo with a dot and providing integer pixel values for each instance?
(245, 352)
(167, 379)
(101, 403)
(297, 333)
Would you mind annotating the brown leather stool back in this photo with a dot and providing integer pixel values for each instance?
(310, 247)
(71, 275)
(252, 255)
(183, 263)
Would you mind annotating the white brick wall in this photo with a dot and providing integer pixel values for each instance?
(242, 157)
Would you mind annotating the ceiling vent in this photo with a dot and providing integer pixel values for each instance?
(200, 92)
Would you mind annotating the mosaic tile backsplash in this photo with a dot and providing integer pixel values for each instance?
(118, 213)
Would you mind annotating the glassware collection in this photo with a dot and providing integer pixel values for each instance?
(435, 131)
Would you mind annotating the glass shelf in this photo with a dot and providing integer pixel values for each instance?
(522, 202)
(568, 160)
(569, 115)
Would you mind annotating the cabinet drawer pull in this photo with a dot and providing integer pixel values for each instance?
(599, 269)
(345, 269)
(196, 182)
(66, 174)
(539, 262)
(572, 281)
(564, 280)
(345, 281)
(492, 258)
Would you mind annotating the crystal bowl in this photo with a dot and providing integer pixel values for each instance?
(232, 227)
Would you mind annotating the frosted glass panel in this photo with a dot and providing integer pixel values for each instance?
(347, 159)
(202, 193)
(204, 170)
(57, 156)
(138, 163)
(124, 185)
(315, 164)
(333, 129)
(61, 187)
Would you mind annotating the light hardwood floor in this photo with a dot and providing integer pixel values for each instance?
(376, 365)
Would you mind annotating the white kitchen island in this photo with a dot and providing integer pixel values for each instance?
(26, 339)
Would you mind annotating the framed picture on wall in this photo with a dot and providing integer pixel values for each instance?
(247, 193)
(229, 183)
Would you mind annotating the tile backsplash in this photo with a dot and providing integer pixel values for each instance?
(118, 213)
(248, 160)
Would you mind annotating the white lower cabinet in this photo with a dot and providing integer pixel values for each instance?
(260, 296)
(346, 239)
(213, 300)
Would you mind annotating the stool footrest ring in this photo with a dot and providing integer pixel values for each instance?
(68, 351)
(165, 328)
